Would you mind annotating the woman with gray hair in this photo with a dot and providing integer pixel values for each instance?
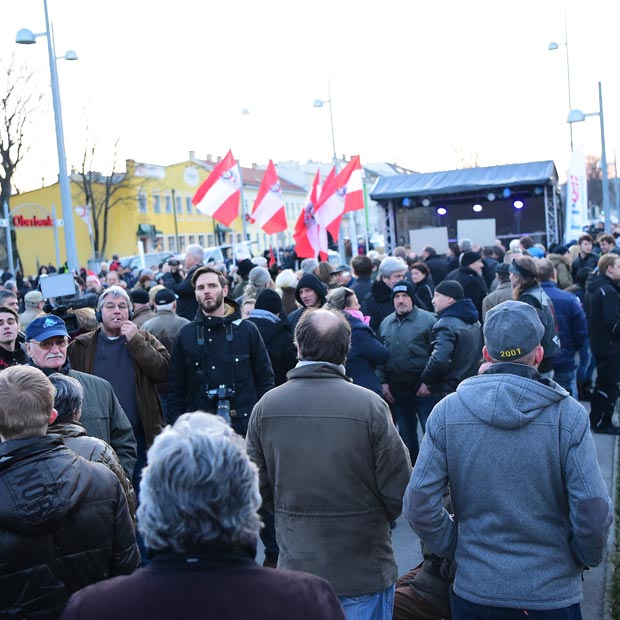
(198, 517)
(68, 404)
(259, 280)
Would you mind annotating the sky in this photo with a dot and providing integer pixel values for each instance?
(427, 85)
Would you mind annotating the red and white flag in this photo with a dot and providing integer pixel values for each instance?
(333, 202)
(310, 238)
(220, 194)
(268, 211)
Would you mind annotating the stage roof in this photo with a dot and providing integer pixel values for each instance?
(466, 180)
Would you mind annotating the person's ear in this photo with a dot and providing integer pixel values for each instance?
(53, 416)
(539, 354)
(485, 354)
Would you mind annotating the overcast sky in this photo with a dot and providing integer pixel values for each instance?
(428, 85)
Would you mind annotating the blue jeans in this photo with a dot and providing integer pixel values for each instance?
(587, 364)
(464, 610)
(407, 408)
(568, 380)
(376, 606)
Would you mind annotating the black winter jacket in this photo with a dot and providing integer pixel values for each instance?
(64, 524)
(456, 339)
(603, 313)
(187, 305)
(474, 286)
(213, 351)
(378, 303)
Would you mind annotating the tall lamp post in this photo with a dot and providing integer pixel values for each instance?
(554, 46)
(577, 116)
(27, 37)
(319, 103)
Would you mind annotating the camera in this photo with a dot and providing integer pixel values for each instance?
(222, 395)
(173, 262)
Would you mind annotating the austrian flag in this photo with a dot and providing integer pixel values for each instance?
(220, 194)
(268, 210)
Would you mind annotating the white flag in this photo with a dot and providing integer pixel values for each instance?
(83, 212)
(576, 196)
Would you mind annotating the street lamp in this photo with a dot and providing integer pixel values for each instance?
(27, 37)
(552, 47)
(577, 116)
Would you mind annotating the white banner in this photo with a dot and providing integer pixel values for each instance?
(576, 196)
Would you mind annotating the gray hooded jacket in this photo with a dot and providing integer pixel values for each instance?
(531, 506)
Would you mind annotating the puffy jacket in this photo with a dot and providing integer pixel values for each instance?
(213, 351)
(562, 265)
(408, 339)
(151, 360)
(457, 347)
(64, 524)
(603, 312)
(333, 470)
(365, 354)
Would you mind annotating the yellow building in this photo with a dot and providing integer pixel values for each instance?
(148, 203)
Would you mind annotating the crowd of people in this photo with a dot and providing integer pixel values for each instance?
(150, 436)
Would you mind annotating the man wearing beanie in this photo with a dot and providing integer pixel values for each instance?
(456, 339)
(407, 335)
(310, 293)
(531, 507)
(469, 276)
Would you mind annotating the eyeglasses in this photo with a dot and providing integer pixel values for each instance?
(61, 343)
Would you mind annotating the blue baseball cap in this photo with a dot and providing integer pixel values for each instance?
(45, 327)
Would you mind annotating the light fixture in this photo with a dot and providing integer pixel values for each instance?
(426, 202)
(506, 193)
(490, 196)
(441, 211)
(477, 208)
(406, 202)
(538, 191)
(518, 204)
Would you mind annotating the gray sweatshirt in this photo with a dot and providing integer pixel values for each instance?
(531, 508)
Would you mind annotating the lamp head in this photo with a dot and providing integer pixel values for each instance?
(553, 46)
(25, 37)
(70, 55)
(318, 103)
(575, 116)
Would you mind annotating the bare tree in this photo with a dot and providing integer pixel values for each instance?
(19, 97)
(101, 193)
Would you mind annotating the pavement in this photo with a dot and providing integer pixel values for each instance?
(596, 582)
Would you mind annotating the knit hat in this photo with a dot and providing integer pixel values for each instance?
(404, 286)
(309, 280)
(468, 258)
(502, 269)
(450, 288)
(259, 277)
(139, 296)
(512, 330)
(244, 267)
(560, 249)
(32, 299)
(46, 327)
(269, 300)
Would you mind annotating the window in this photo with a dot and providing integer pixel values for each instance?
(201, 241)
(141, 202)
(171, 247)
(239, 237)
(168, 200)
(156, 203)
(181, 243)
(210, 241)
(191, 240)
(159, 243)
(188, 205)
(179, 204)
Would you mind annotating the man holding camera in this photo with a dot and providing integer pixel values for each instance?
(179, 281)
(217, 357)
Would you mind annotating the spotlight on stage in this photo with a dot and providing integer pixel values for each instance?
(490, 196)
(506, 193)
(442, 211)
(518, 204)
(477, 208)
(406, 202)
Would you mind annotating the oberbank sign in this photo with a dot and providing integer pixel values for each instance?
(34, 221)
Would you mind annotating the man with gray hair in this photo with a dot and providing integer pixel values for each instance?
(378, 303)
(332, 469)
(531, 509)
(33, 304)
(180, 282)
(199, 521)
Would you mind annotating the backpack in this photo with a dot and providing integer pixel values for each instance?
(537, 298)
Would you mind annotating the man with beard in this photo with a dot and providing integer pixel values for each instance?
(218, 357)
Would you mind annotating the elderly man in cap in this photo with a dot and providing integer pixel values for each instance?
(102, 415)
(343, 276)
(12, 351)
(33, 303)
(166, 323)
(531, 509)
(142, 311)
(407, 335)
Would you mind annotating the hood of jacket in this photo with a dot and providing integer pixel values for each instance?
(37, 492)
(232, 313)
(486, 396)
(381, 291)
(463, 309)
(309, 280)
(596, 281)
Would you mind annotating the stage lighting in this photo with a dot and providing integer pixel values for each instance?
(477, 208)
(426, 202)
(518, 204)
(506, 193)
(490, 196)
(441, 211)
(406, 202)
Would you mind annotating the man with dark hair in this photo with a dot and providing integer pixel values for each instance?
(333, 469)
(585, 258)
(531, 508)
(469, 276)
(607, 244)
(8, 299)
(437, 265)
(217, 350)
(310, 293)
(64, 522)
(362, 270)
(11, 341)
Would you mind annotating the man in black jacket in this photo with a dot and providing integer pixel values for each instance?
(180, 283)
(603, 312)
(217, 357)
(64, 522)
(469, 276)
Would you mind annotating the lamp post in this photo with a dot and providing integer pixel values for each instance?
(577, 116)
(27, 37)
(554, 46)
(319, 103)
